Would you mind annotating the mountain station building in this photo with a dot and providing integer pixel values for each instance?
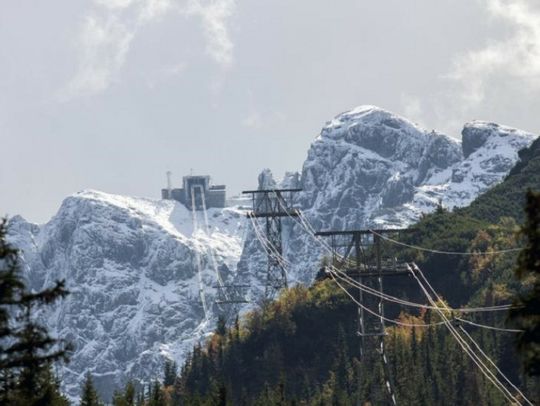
(198, 190)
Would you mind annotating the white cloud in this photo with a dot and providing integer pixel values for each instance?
(153, 9)
(515, 58)
(103, 48)
(107, 32)
(253, 121)
(214, 15)
(114, 4)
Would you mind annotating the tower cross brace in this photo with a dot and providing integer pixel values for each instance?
(364, 259)
(272, 205)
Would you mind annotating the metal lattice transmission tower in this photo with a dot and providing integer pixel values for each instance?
(361, 255)
(272, 205)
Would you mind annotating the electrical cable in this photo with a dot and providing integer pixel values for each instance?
(267, 245)
(416, 247)
(221, 288)
(504, 330)
(400, 323)
(386, 372)
(392, 298)
(461, 341)
(404, 302)
(271, 250)
(465, 347)
(495, 366)
(199, 263)
(474, 357)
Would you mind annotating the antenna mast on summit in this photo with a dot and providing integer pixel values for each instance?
(169, 182)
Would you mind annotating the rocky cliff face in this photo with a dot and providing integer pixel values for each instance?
(132, 267)
(133, 264)
(372, 168)
(379, 169)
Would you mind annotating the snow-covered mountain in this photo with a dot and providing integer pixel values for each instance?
(377, 168)
(132, 264)
(132, 268)
(371, 168)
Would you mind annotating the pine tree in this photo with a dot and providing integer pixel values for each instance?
(342, 360)
(526, 314)
(140, 398)
(11, 288)
(118, 399)
(128, 397)
(169, 372)
(129, 394)
(218, 394)
(46, 391)
(26, 348)
(156, 395)
(221, 327)
(89, 395)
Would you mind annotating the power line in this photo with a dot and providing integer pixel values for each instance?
(367, 309)
(311, 231)
(474, 357)
(386, 368)
(418, 305)
(477, 346)
(485, 370)
(307, 227)
(268, 204)
(494, 365)
(267, 245)
(505, 330)
(221, 287)
(270, 249)
(198, 260)
(304, 223)
(465, 347)
(404, 302)
(416, 247)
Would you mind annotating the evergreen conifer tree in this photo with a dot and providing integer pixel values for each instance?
(169, 372)
(129, 394)
(526, 314)
(156, 395)
(89, 395)
(221, 327)
(26, 348)
(140, 398)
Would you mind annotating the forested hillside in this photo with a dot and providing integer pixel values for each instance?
(303, 348)
(507, 198)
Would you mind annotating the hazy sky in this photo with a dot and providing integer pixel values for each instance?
(110, 94)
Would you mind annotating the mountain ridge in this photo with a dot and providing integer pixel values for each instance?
(132, 262)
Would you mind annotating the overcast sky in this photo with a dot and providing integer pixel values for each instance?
(110, 94)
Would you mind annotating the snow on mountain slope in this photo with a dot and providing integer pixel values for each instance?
(372, 168)
(490, 152)
(131, 265)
